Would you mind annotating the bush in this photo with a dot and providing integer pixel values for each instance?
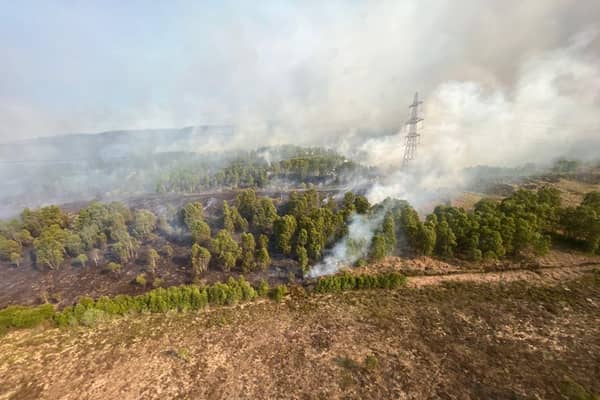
(141, 280)
(24, 317)
(113, 267)
(263, 288)
(278, 292)
(92, 317)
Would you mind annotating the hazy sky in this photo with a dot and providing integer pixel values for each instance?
(89, 66)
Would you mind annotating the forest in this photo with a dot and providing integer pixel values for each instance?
(244, 236)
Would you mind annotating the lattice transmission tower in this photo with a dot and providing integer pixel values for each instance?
(412, 137)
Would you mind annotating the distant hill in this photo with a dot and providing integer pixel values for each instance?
(114, 144)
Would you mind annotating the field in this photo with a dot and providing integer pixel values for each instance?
(527, 335)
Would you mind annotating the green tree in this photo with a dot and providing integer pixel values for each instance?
(248, 250)
(200, 260)
(8, 247)
(445, 240)
(425, 239)
(200, 231)
(263, 259)
(16, 259)
(225, 250)
(144, 223)
(50, 246)
(240, 223)
(82, 260)
(284, 229)
(37, 220)
(227, 221)
(361, 204)
(125, 248)
(302, 258)
(389, 233)
(191, 213)
(378, 248)
(73, 243)
(114, 267)
(246, 204)
(264, 216)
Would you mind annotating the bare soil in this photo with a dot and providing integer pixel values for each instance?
(511, 335)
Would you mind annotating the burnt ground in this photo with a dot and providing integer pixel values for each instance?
(29, 285)
(500, 339)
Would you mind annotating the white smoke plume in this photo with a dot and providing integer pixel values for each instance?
(351, 248)
(552, 111)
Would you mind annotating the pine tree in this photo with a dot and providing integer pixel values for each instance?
(200, 260)
(248, 250)
(263, 259)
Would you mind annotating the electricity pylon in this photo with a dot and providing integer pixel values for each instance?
(412, 137)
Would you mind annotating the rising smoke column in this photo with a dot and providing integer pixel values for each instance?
(352, 247)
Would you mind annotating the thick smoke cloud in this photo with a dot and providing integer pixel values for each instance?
(305, 72)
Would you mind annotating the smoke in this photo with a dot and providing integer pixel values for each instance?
(551, 111)
(352, 247)
(279, 72)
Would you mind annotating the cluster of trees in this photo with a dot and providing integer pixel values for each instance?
(518, 225)
(582, 223)
(94, 231)
(252, 170)
(251, 228)
(303, 229)
(308, 227)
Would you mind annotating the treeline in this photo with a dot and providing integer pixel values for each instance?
(89, 312)
(242, 236)
(519, 225)
(251, 228)
(295, 165)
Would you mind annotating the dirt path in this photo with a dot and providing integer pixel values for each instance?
(541, 276)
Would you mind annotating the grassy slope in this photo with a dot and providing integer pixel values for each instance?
(458, 340)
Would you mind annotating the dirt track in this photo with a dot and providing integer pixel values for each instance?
(542, 276)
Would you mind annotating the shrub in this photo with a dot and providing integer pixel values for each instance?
(278, 292)
(141, 280)
(263, 288)
(92, 317)
(113, 267)
(24, 317)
